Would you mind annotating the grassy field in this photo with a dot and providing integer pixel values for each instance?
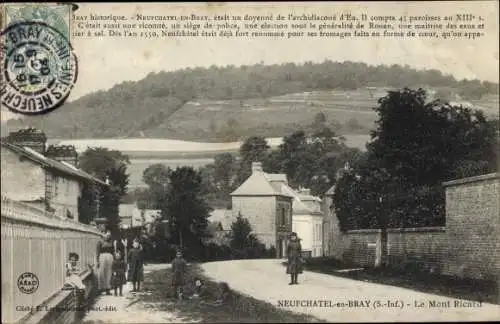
(276, 116)
(279, 116)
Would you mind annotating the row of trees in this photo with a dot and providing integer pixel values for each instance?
(310, 158)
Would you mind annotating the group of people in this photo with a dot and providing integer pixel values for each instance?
(113, 271)
(116, 264)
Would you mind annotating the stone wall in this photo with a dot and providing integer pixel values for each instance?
(360, 247)
(467, 247)
(473, 227)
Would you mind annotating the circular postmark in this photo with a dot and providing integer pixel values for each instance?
(28, 283)
(39, 68)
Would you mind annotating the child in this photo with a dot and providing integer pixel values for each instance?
(198, 288)
(179, 270)
(118, 269)
(135, 268)
(73, 271)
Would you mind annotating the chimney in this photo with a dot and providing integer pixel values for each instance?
(66, 153)
(256, 167)
(29, 137)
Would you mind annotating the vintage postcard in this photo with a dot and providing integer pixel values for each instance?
(250, 162)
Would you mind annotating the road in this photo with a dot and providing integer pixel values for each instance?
(130, 308)
(343, 300)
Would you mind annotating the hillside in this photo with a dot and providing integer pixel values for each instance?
(228, 103)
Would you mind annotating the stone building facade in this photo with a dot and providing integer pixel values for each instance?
(263, 201)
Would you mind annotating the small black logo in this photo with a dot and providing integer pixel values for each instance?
(28, 283)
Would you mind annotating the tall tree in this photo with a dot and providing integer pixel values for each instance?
(186, 208)
(416, 146)
(111, 166)
(156, 176)
(224, 172)
(424, 142)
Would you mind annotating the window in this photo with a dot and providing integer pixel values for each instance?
(283, 216)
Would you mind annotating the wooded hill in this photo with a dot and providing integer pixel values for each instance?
(169, 104)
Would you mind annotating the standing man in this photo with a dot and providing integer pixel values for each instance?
(294, 255)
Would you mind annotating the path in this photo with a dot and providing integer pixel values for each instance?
(266, 280)
(129, 309)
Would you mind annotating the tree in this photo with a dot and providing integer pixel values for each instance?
(186, 208)
(156, 176)
(417, 145)
(111, 166)
(319, 122)
(241, 231)
(424, 142)
(224, 173)
(243, 242)
(253, 149)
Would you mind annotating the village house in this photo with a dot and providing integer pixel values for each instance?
(263, 200)
(219, 226)
(308, 222)
(131, 216)
(47, 178)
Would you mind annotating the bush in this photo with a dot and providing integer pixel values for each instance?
(215, 252)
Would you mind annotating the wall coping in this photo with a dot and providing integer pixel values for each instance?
(417, 229)
(484, 177)
(15, 211)
(399, 230)
(364, 231)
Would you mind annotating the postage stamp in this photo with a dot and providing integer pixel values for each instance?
(39, 67)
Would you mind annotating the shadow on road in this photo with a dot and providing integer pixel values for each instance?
(213, 305)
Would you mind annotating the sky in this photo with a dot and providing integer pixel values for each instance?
(104, 62)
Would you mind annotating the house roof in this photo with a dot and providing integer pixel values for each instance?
(260, 183)
(298, 205)
(52, 164)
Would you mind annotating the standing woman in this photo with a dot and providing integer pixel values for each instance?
(294, 254)
(105, 251)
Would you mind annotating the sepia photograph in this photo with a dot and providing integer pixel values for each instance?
(264, 162)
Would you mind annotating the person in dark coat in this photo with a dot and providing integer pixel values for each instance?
(135, 266)
(179, 266)
(294, 254)
(118, 268)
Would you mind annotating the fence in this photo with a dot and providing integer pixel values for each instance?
(36, 241)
